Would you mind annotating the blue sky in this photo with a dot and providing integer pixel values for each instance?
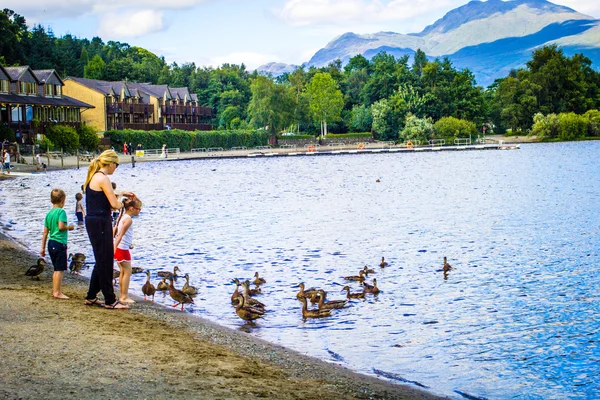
(212, 32)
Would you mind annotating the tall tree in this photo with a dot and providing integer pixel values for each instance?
(271, 105)
(325, 100)
(95, 68)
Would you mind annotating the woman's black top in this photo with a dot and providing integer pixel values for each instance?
(96, 203)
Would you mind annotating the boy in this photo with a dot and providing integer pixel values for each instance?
(55, 225)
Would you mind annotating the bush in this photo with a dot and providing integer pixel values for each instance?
(7, 133)
(416, 129)
(361, 119)
(88, 138)
(450, 128)
(593, 120)
(64, 137)
(571, 126)
(545, 127)
(44, 144)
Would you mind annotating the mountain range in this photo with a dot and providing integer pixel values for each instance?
(490, 38)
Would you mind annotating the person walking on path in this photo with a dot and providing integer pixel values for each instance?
(56, 228)
(7, 161)
(124, 242)
(100, 199)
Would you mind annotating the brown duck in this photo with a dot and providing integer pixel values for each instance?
(187, 288)
(36, 270)
(162, 285)
(168, 274)
(330, 305)
(178, 295)
(305, 293)
(316, 313)
(383, 263)
(249, 300)
(368, 270)
(349, 295)
(247, 312)
(258, 281)
(148, 289)
(371, 288)
(447, 266)
(359, 278)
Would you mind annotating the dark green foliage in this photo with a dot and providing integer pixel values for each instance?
(185, 140)
(450, 128)
(88, 138)
(64, 137)
(7, 133)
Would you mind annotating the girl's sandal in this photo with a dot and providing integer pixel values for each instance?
(117, 305)
(95, 302)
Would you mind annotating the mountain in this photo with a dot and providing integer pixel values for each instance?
(490, 37)
(276, 69)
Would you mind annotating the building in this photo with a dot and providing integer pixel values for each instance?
(142, 106)
(31, 101)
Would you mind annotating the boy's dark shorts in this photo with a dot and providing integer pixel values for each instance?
(58, 255)
(79, 216)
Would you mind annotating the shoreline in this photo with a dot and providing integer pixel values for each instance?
(76, 351)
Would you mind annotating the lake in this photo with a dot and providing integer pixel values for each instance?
(518, 317)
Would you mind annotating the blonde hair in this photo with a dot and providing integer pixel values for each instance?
(104, 159)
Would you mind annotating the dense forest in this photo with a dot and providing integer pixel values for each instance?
(384, 95)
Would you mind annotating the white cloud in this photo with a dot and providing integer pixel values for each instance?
(131, 23)
(344, 12)
(585, 7)
(249, 59)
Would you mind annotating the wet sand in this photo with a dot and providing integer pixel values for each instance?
(61, 349)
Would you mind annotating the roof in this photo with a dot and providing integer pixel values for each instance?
(64, 101)
(16, 72)
(44, 74)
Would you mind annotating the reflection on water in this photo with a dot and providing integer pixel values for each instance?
(516, 318)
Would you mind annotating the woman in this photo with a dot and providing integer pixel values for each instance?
(100, 199)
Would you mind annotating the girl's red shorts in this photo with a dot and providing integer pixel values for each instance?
(122, 255)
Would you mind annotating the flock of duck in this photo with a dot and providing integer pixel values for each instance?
(246, 306)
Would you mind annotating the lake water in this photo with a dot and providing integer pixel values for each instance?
(517, 318)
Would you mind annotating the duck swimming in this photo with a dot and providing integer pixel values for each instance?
(316, 313)
(258, 281)
(169, 274)
(36, 270)
(368, 270)
(305, 293)
(359, 278)
(178, 295)
(148, 289)
(187, 288)
(330, 305)
(371, 288)
(447, 266)
(383, 263)
(349, 295)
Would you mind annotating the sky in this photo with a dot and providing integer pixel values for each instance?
(253, 32)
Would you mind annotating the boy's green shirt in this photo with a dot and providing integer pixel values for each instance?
(51, 222)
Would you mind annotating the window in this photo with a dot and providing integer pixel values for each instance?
(4, 86)
(22, 87)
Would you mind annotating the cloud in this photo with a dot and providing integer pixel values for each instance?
(131, 23)
(585, 7)
(344, 12)
(249, 59)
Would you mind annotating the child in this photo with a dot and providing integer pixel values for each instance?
(123, 242)
(56, 229)
(79, 209)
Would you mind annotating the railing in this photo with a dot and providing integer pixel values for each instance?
(199, 150)
(287, 146)
(186, 110)
(117, 108)
(214, 149)
(437, 142)
(462, 141)
(141, 126)
(262, 148)
(158, 153)
(336, 145)
(237, 148)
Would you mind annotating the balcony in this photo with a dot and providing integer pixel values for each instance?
(187, 110)
(118, 108)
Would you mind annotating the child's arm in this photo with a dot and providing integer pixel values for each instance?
(64, 227)
(44, 238)
(124, 227)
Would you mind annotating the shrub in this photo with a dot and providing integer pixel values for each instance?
(593, 120)
(545, 127)
(6, 133)
(88, 138)
(571, 126)
(361, 119)
(450, 128)
(44, 144)
(64, 137)
(416, 129)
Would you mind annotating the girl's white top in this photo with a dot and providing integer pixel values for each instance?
(127, 239)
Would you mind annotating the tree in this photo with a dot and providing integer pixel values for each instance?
(95, 68)
(593, 119)
(13, 37)
(450, 128)
(271, 104)
(88, 138)
(385, 125)
(420, 60)
(545, 127)
(64, 137)
(571, 126)
(325, 100)
(416, 129)
(361, 119)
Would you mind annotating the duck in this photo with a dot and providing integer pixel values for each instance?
(316, 313)
(349, 295)
(247, 312)
(359, 278)
(371, 288)
(77, 257)
(36, 270)
(383, 263)
(168, 274)
(330, 305)
(305, 293)
(137, 270)
(75, 266)
(162, 285)
(447, 267)
(368, 270)
(258, 281)
(116, 274)
(236, 293)
(316, 296)
(148, 289)
(187, 288)
(179, 295)
(246, 295)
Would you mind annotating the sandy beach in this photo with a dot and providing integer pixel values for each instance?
(62, 349)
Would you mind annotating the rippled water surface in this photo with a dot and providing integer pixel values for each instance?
(517, 318)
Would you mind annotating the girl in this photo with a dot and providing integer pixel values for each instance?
(123, 242)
